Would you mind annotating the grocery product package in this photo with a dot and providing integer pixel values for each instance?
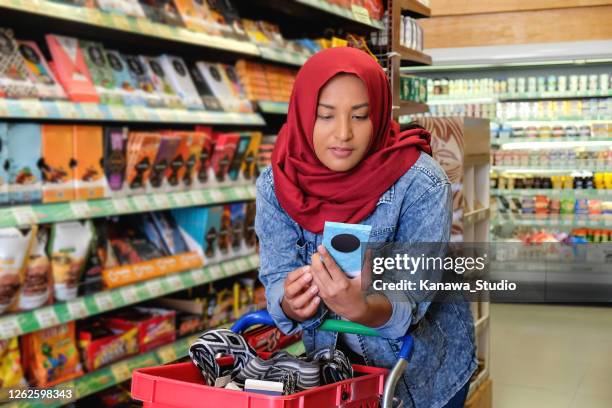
(37, 286)
(115, 159)
(11, 370)
(15, 247)
(14, 81)
(101, 345)
(57, 163)
(100, 71)
(69, 248)
(51, 356)
(155, 326)
(89, 177)
(24, 153)
(47, 85)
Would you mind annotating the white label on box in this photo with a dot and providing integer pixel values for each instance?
(161, 201)
(242, 264)
(104, 301)
(9, 327)
(181, 199)
(141, 202)
(77, 309)
(121, 372)
(46, 317)
(122, 205)
(80, 209)
(155, 288)
(24, 215)
(217, 195)
(231, 268)
(215, 271)
(174, 282)
(130, 295)
(197, 197)
(91, 110)
(198, 276)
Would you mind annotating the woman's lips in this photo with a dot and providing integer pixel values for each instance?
(341, 152)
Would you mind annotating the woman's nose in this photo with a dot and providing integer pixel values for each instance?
(345, 132)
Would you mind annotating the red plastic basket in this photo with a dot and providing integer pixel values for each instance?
(182, 386)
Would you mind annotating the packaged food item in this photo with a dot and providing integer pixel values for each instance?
(24, 153)
(192, 160)
(249, 225)
(37, 283)
(224, 90)
(96, 261)
(166, 153)
(123, 80)
(134, 241)
(89, 177)
(127, 7)
(14, 81)
(237, 214)
(225, 146)
(344, 243)
(57, 163)
(270, 339)
(144, 84)
(243, 297)
(51, 355)
(220, 304)
(177, 166)
(11, 370)
(192, 15)
(224, 242)
(4, 164)
(155, 326)
(203, 167)
(71, 68)
(100, 71)
(142, 150)
(181, 82)
(101, 345)
(169, 232)
(155, 72)
(39, 72)
(69, 248)
(162, 11)
(239, 155)
(15, 247)
(187, 323)
(209, 99)
(115, 159)
(249, 169)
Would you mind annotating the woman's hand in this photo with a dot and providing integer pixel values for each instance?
(300, 301)
(340, 293)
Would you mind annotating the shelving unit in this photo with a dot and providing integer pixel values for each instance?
(74, 210)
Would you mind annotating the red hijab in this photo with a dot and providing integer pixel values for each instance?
(310, 192)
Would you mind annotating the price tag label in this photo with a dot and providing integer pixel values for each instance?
(104, 301)
(121, 372)
(217, 195)
(68, 110)
(243, 265)
(215, 271)
(91, 110)
(231, 268)
(94, 16)
(130, 295)
(9, 327)
(35, 109)
(174, 282)
(581, 222)
(122, 205)
(24, 215)
(117, 112)
(46, 317)
(161, 201)
(361, 14)
(155, 288)
(80, 209)
(167, 354)
(4, 110)
(119, 21)
(142, 203)
(197, 197)
(198, 276)
(77, 309)
(182, 199)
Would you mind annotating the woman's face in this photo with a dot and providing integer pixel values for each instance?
(343, 128)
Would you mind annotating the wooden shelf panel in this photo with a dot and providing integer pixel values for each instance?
(414, 8)
(413, 56)
(409, 107)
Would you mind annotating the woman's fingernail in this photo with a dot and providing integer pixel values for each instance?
(314, 289)
(307, 268)
(307, 277)
(316, 300)
(321, 248)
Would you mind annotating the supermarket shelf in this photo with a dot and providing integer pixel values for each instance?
(284, 56)
(548, 122)
(279, 108)
(528, 96)
(555, 193)
(73, 111)
(475, 216)
(357, 14)
(91, 305)
(90, 17)
(557, 170)
(460, 101)
(586, 118)
(410, 107)
(555, 140)
(414, 8)
(73, 210)
(413, 56)
(562, 221)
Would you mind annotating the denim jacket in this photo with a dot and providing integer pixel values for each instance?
(417, 208)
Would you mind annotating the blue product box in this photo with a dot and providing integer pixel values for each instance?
(24, 152)
(344, 243)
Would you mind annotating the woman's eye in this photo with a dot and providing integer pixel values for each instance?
(324, 117)
(360, 117)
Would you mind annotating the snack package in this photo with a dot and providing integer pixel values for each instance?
(176, 169)
(225, 12)
(101, 345)
(142, 150)
(15, 247)
(187, 323)
(166, 153)
(96, 261)
(51, 355)
(14, 76)
(211, 102)
(225, 146)
(203, 226)
(169, 232)
(115, 159)
(237, 90)
(11, 370)
(250, 238)
(270, 339)
(203, 167)
(192, 15)
(69, 248)
(89, 176)
(130, 244)
(243, 297)
(24, 152)
(194, 151)
(181, 82)
(47, 85)
(37, 284)
(224, 240)
(239, 156)
(71, 69)
(155, 326)
(124, 83)
(4, 164)
(162, 11)
(218, 83)
(127, 7)
(344, 243)
(220, 306)
(57, 163)
(249, 170)
(159, 79)
(237, 216)
(144, 84)
(100, 71)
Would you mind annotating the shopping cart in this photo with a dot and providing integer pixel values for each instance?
(181, 385)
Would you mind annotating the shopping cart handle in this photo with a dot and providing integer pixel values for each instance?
(252, 319)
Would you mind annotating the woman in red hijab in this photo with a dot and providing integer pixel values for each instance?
(340, 157)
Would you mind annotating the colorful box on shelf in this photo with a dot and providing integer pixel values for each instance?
(127, 274)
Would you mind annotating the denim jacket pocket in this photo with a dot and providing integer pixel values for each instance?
(428, 354)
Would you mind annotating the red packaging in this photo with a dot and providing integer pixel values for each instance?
(101, 345)
(208, 145)
(225, 147)
(155, 326)
(270, 339)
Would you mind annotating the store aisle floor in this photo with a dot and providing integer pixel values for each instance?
(551, 356)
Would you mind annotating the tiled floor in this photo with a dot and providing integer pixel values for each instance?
(551, 356)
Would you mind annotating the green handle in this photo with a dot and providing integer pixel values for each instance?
(343, 326)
